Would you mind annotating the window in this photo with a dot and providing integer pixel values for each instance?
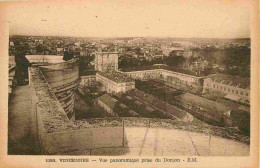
(236, 92)
(228, 89)
(242, 93)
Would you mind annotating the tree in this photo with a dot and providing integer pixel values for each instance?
(68, 56)
(21, 63)
(40, 49)
(138, 51)
(238, 61)
(174, 60)
(84, 65)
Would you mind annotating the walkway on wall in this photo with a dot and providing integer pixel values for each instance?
(22, 127)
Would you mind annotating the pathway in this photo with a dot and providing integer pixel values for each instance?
(22, 127)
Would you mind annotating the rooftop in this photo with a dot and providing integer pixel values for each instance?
(108, 100)
(203, 102)
(165, 67)
(116, 76)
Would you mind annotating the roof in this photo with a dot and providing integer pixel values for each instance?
(133, 113)
(232, 97)
(148, 108)
(122, 105)
(116, 76)
(165, 67)
(137, 102)
(244, 108)
(235, 81)
(108, 100)
(202, 102)
(129, 97)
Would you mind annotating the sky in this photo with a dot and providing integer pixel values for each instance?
(114, 18)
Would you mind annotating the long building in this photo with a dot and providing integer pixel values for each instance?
(169, 74)
(232, 87)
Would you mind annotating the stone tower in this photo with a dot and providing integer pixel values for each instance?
(106, 61)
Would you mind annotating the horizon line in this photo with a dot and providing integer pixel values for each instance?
(133, 37)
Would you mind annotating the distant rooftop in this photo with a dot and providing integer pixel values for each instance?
(107, 52)
(116, 76)
(231, 80)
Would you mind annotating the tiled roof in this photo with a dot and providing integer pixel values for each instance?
(116, 76)
(108, 100)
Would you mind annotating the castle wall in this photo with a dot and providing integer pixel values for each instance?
(63, 79)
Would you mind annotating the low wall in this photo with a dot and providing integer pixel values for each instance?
(88, 138)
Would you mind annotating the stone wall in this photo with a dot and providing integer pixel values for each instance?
(63, 78)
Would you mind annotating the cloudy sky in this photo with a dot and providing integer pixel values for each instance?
(164, 18)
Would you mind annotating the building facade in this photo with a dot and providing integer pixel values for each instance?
(145, 74)
(172, 77)
(87, 80)
(115, 82)
(108, 103)
(232, 87)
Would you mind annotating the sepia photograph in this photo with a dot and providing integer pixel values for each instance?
(128, 79)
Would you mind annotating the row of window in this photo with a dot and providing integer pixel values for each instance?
(140, 74)
(228, 89)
